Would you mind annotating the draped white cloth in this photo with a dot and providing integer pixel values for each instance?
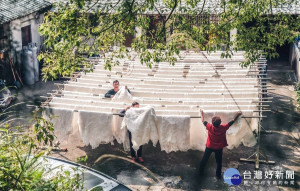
(95, 128)
(120, 132)
(63, 122)
(198, 135)
(174, 133)
(141, 122)
(123, 96)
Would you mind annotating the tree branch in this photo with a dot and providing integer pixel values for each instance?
(130, 11)
(202, 9)
(160, 15)
(271, 7)
(173, 9)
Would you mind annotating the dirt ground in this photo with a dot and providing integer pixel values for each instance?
(178, 170)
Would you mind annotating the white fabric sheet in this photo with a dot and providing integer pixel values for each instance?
(174, 133)
(141, 122)
(120, 132)
(123, 96)
(198, 135)
(62, 120)
(95, 128)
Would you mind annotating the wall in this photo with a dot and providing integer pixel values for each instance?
(294, 57)
(16, 36)
(16, 26)
(4, 36)
(233, 34)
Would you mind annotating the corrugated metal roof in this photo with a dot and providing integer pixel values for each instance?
(13, 9)
(94, 5)
(291, 7)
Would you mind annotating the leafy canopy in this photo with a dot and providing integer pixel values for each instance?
(90, 27)
(22, 162)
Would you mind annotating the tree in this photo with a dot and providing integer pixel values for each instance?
(22, 162)
(166, 26)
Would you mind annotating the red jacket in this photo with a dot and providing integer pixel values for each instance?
(216, 138)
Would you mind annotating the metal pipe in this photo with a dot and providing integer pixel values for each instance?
(193, 117)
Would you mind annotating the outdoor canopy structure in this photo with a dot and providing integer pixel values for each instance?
(174, 94)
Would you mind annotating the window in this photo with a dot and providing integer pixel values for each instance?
(26, 35)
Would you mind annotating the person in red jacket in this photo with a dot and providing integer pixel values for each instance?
(216, 141)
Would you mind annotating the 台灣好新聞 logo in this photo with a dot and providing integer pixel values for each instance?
(232, 176)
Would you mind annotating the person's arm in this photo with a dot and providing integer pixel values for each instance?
(127, 89)
(122, 113)
(202, 117)
(109, 94)
(235, 118)
(237, 115)
(203, 120)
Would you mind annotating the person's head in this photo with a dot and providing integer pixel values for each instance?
(135, 104)
(116, 85)
(216, 121)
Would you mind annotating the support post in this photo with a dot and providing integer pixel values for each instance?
(262, 83)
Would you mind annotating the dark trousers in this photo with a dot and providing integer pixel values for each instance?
(132, 151)
(218, 157)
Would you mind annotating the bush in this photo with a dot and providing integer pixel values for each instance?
(22, 163)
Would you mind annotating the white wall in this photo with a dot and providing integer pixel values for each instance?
(16, 26)
(138, 32)
(16, 36)
(233, 33)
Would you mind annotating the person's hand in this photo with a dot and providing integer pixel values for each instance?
(237, 115)
(202, 116)
(111, 96)
(126, 87)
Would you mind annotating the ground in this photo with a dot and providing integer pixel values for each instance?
(178, 170)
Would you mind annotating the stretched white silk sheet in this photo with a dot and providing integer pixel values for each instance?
(141, 122)
(123, 96)
(174, 133)
(175, 93)
(63, 122)
(95, 128)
